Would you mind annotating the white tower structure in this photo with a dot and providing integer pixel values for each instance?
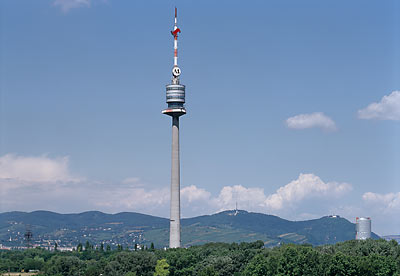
(363, 228)
(175, 101)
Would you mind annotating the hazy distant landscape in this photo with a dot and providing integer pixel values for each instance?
(128, 229)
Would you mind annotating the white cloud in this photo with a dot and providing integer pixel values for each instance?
(387, 109)
(120, 198)
(312, 120)
(66, 5)
(385, 202)
(139, 199)
(192, 193)
(306, 186)
(285, 198)
(34, 169)
(246, 198)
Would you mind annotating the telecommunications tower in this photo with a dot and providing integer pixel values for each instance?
(176, 108)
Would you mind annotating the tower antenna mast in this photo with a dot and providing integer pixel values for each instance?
(176, 71)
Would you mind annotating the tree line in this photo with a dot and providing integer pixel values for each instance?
(351, 258)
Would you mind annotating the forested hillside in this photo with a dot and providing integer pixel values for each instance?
(129, 229)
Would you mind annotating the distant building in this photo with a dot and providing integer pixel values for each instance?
(363, 228)
(2, 247)
(66, 248)
(392, 237)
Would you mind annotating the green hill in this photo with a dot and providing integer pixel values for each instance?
(130, 228)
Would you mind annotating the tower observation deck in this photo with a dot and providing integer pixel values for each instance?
(175, 90)
(175, 96)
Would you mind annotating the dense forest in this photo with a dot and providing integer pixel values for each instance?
(370, 257)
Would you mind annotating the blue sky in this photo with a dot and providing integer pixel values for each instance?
(293, 107)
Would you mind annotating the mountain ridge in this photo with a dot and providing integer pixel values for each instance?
(129, 228)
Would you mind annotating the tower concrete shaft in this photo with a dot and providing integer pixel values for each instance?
(175, 216)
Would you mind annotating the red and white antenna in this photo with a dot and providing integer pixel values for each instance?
(176, 71)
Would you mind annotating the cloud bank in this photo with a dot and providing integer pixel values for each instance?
(35, 169)
(30, 183)
(387, 203)
(312, 120)
(387, 109)
(46, 183)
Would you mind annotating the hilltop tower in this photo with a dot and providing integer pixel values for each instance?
(175, 101)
